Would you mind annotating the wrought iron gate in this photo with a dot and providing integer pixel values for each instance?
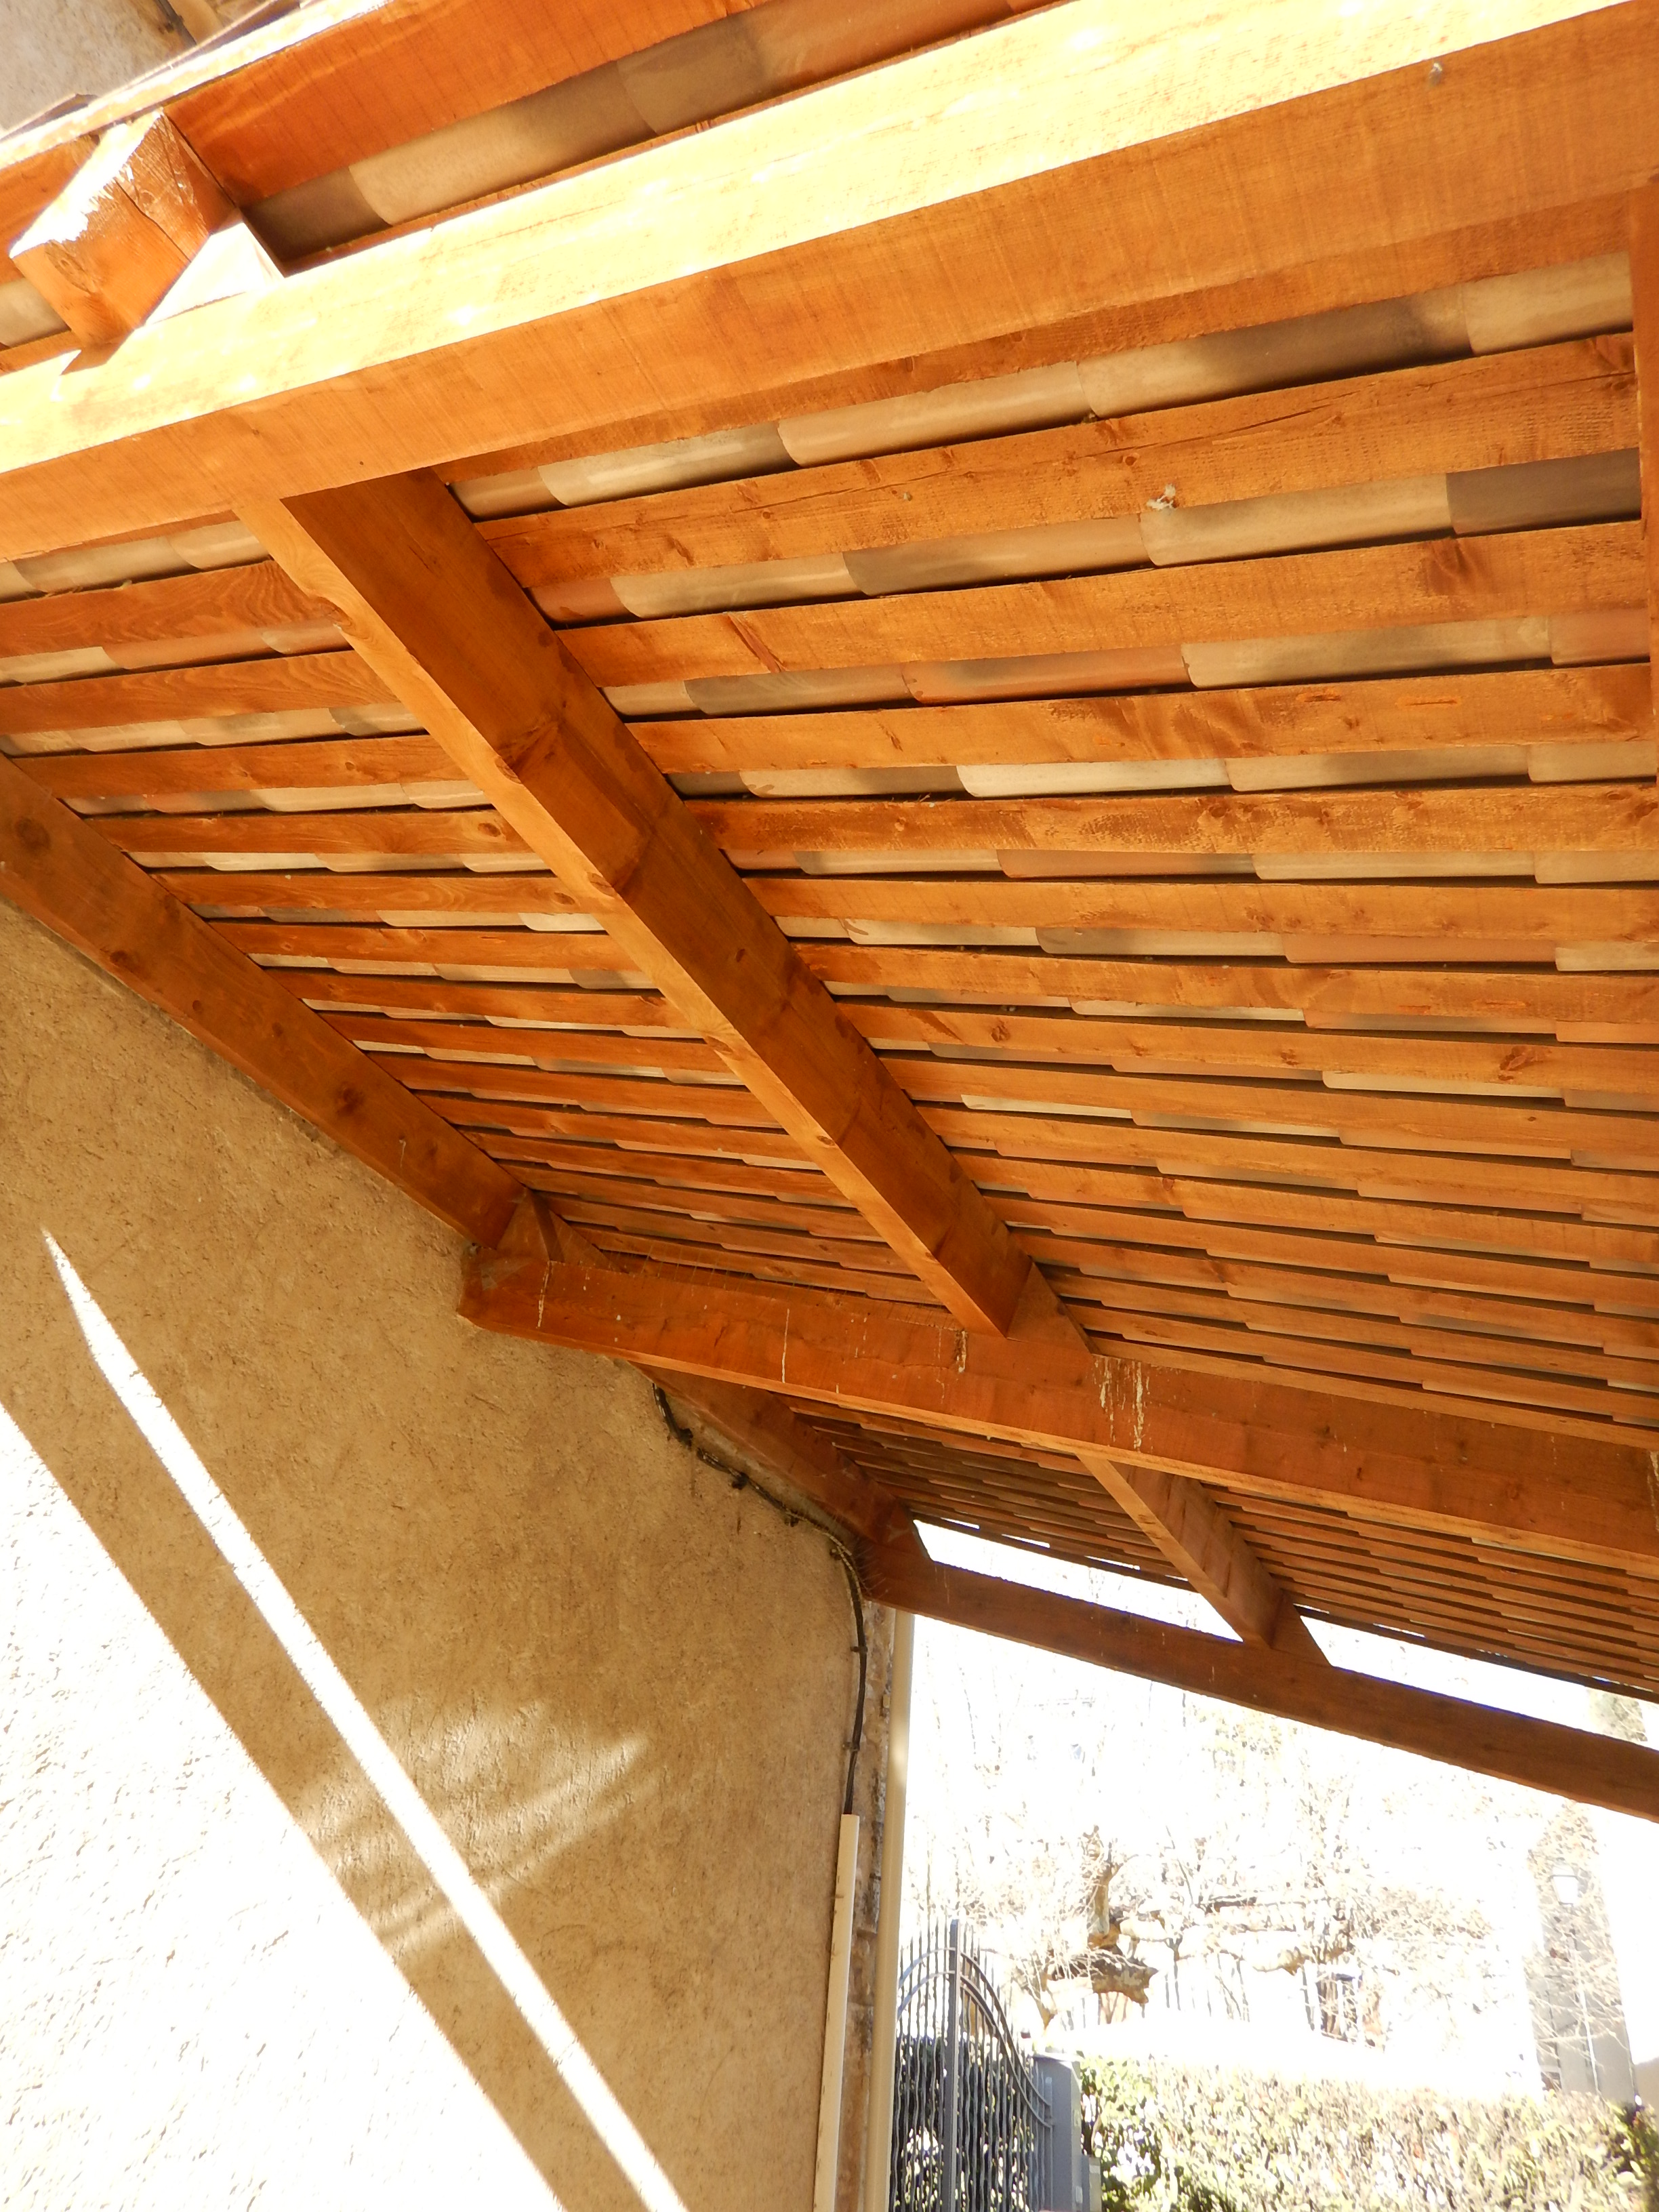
(967, 2111)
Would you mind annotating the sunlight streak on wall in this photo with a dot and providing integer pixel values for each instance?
(426, 1834)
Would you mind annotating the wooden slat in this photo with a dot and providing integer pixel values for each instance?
(55, 868)
(1540, 404)
(1621, 1009)
(1403, 1466)
(1265, 1050)
(852, 282)
(1293, 595)
(427, 603)
(1615, 818)
(646, 1137)
(451, 1039)
(322, 890)
(1322, 923)
(389, 832)
(727, 1107)
(543, 1003)
(237, 687)
(984, 1138)
(256, 598)
(361, 949)
(1499, 708)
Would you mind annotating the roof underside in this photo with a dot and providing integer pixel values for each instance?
(1216, 776)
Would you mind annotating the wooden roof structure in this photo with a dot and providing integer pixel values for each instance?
(942, 712)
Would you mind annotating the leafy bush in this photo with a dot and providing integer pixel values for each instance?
(1178, 2139)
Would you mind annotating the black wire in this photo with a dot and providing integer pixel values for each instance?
(739, 1481)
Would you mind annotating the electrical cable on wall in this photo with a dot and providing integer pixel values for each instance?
(740, 1480)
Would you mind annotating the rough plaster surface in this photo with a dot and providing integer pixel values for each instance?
(620, 1685)
(50, 48)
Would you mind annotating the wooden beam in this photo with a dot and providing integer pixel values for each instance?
(1573, 1497)
(123, 231)
(429, 606)
(1593, 1770)
(55, 867)
(538, 1237)
(1378, 180)
(1644, 296)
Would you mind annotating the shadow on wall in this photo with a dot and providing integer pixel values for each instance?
(200, 1572)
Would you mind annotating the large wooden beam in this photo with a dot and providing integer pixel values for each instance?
(906, 240)
(428, 606)
(57, 868)
(1564, 1498)
(1595, 1770)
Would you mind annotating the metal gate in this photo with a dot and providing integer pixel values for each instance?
(967, 2111)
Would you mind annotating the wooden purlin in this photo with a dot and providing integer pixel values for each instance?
(1543, 1755)
(1459, 1472)
(1354, 192)
(488, 679)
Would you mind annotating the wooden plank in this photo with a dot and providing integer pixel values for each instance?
(1444, 580)
(1320, 923)
(445, 1040)
(55, 868)
(1538, 405)
(531, 895)
(469, 654)
(432, 833)
(1614, 818)
(220, 601)
(982, 1137)
(1492, 708)
(365, 950)
(1566, 1762)
(1263, 1049)
(542, 1003)
(122, 230)
(237, 687)
(725, 1107)
(1402, 1466)
(647, 1138)
(1365, 186)
(1622, 1009)
(1644, 294)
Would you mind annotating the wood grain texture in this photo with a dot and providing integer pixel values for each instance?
(1572, 1763)
(428, 606)
(57, 869)
(1403, 1467)
(1644, 292)
(1292, 595)
(851, 283)
(1537, 405)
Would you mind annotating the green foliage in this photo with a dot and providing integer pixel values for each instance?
(1178, 2139)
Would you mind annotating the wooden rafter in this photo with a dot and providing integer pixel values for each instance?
(431, 607)
(55, 867)
(1560, 1497)
(1568, 1762)
(1358, 191)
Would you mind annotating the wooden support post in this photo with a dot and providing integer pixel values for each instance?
(1569, 1762)
(57, 868)
(438, 615)
(123, 231)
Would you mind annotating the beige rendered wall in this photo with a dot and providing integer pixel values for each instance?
(620, 1684)
(51, 48)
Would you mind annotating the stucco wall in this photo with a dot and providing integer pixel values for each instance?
(50, 48)
(622, 1685)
